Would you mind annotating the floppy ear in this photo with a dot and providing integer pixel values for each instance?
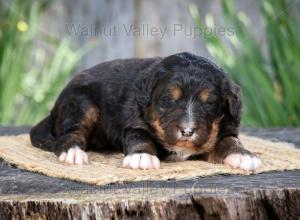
(232, 108)
(147, 82)
(233, 99)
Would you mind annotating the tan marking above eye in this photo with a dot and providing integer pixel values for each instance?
(204, 94)
(176, 92)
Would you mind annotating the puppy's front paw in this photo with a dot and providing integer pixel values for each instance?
(243, 161)
(141, 161)
(74, 156)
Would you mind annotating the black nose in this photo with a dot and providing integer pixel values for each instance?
(187, 132)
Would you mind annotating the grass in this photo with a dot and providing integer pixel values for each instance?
(30, 77)
(269, 80)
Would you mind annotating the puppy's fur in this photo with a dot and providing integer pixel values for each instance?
(174, 108)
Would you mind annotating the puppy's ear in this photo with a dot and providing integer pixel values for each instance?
(147, 82)
(233, 101)
(232, 109)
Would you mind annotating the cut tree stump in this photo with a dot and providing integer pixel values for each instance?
(273, 195)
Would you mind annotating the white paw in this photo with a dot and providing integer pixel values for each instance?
(141, 161)
(74, 156)
(244, 162)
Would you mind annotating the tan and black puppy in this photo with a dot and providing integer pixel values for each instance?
(175, 108)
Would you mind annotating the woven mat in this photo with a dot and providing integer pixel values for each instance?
(106, 168)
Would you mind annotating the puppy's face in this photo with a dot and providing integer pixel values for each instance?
(186, 112)
(191, 100)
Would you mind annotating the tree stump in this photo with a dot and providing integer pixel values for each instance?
(273, 195)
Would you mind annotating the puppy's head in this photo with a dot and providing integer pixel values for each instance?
(188, 101)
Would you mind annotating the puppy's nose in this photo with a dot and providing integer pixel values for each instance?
(187, 131)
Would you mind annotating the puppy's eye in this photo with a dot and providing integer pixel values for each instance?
(211, 101)
(212, 98)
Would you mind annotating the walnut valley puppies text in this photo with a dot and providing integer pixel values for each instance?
(144, 30)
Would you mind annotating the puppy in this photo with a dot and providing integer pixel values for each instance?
(175, 108)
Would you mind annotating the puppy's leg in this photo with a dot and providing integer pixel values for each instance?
(230, 151)
(140, 152)
(74, 124)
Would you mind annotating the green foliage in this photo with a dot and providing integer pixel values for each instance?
(30, 77)
(269, 79)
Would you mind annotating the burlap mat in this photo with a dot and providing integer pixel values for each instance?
(107, 168)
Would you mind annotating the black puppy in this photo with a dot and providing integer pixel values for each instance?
(174, 108)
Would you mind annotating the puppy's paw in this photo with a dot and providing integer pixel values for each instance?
(141, 161)
(74, 156)
(245, 162)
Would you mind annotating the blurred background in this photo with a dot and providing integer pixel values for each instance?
(44, 42)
